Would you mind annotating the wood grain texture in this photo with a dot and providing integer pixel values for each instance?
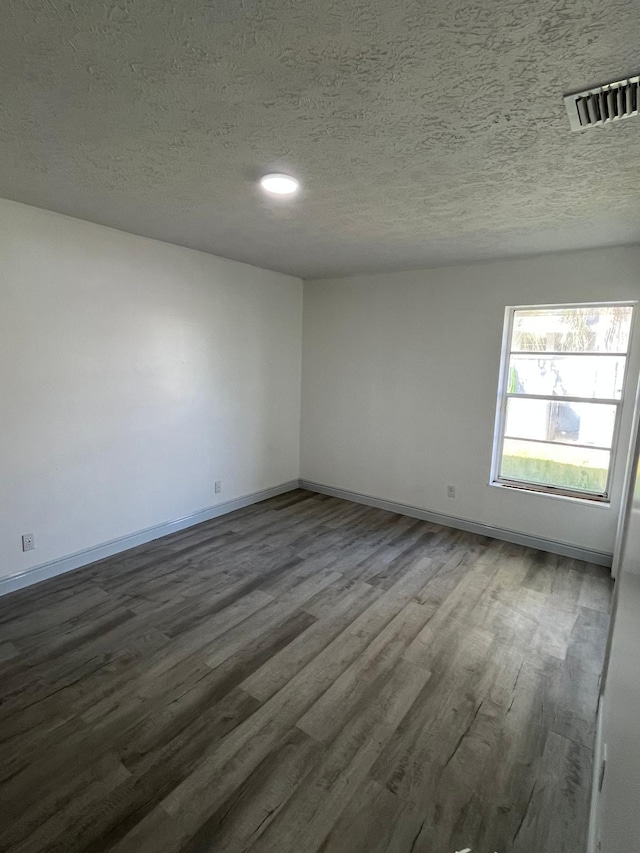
(306, 674)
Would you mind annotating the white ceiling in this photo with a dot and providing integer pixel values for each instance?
(424, 131)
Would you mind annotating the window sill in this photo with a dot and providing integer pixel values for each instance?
(567, 498)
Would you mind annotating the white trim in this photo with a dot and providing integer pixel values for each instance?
(555, 353)
(123, 543)
(615, 303)
(630, 475)
(504, 396)
(131, 540)
(558, 442)
(501, 407)
(565, 549)
(603, 503)
(565, 398)
(598, 757)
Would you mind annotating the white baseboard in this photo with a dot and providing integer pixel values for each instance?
(115, 546)
(566, 550)
(598, 757)
(131, 540)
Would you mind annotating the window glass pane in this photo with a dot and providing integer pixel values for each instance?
(567, 376)
(591, 328)
(554, 420)
(555, 465)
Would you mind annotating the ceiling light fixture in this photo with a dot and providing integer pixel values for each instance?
(279, 184)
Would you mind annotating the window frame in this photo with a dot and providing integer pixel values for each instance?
(601, 498)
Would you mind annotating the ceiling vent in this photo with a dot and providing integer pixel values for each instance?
(604, 104)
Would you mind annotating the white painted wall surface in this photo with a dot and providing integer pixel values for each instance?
(615, 816)
(133, 374)
(400, 377)
(618, 824)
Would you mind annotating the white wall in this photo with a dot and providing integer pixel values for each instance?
(400, 375)
(133, 374)
(615, 816)
(618, 822)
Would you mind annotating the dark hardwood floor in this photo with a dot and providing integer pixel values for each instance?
(304, 675)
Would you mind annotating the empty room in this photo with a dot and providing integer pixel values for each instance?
(319, 402)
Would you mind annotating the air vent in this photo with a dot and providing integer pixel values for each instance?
(604, 104)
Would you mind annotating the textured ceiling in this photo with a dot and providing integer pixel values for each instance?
(424, 131)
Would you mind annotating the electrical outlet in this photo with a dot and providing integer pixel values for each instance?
(28, 542)
(451, 491)
(218, 487)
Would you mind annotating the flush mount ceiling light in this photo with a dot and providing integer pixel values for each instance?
(278, 184)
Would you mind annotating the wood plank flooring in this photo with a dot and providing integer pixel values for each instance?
(303, 675)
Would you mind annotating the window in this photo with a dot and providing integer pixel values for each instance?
(560, 398)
